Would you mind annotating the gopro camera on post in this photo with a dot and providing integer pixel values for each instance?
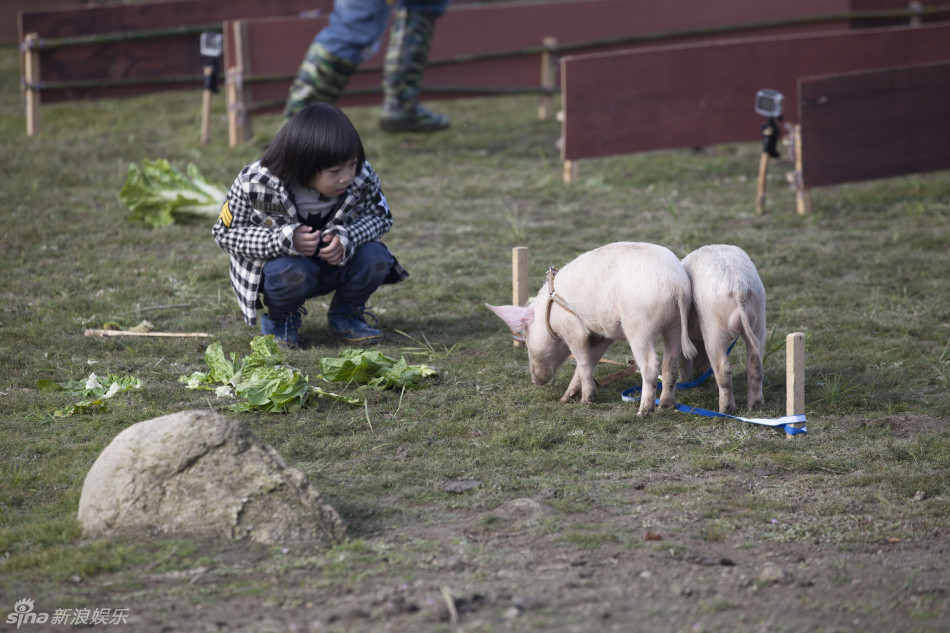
(770, 104)
(211, 44)
(211, 49)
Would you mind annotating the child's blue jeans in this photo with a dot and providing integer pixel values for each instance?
(355, 27)
(289, 281)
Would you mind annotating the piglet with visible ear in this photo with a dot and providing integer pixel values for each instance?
(728, 302)
(625, 290)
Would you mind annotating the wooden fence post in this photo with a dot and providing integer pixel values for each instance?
(548, 77)
(519, 279)
(795, 377)
(235, 106)
(570, 172)
(802, 197)
(240, 128)
(763, 177)
(31, 74)
(206, 107)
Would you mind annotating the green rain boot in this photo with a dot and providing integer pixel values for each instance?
(405, 62)
(321, 78)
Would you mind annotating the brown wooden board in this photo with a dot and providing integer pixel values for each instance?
(114, 18)
(468, 29)
(702, 94)
(10, 10)
(169, 62)
(875, 124)
(879, 5)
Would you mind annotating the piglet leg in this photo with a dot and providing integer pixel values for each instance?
(583, 383)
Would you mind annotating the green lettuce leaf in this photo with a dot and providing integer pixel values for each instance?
(262, 381)
(156, 193)
(222, 370)
(372, 368)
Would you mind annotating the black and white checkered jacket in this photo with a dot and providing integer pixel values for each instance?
(258, 221)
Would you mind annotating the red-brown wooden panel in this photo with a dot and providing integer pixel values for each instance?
(115, 18)
(472, 30)
(173, 61)
(702, 94)
(880, 5)
(10, 10)
(875, 124)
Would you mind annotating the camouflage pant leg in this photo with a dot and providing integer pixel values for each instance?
(405, 63)
(321, 78)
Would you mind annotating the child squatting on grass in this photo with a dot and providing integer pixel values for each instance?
(305, 220)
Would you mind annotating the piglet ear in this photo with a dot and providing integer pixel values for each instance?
(516, 317)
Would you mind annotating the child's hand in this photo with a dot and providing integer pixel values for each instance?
(331, 250)
(306, 240)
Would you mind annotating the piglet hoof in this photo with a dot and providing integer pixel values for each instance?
(729, 409)
(667, 404)
(582, 400)
(756, 405)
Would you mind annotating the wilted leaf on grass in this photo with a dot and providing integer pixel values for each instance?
(94, 393)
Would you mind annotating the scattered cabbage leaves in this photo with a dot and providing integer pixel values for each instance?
(94, 393)
(264, 382)
(261, 381)
(372, 368)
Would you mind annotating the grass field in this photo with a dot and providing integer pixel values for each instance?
(667, 523)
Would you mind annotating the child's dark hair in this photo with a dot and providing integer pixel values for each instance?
(318, 137)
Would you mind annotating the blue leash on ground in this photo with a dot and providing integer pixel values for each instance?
(632, 395)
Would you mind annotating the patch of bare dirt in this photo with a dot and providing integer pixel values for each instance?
(650, 566)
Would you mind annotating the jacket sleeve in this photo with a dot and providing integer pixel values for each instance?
(255, 233)
(364, 217)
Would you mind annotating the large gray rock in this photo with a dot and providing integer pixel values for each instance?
(202, 473)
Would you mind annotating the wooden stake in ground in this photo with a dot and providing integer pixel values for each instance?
(159, 334)
(770, 134)
(240, 128)
(211, 49)
(795, 377)
(802, 197)
(763, 174)
(31, 75)
(206, 107)
(519, 279)
(549, 64)
(570, 172)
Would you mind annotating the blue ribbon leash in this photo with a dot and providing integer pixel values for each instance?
(630, 395)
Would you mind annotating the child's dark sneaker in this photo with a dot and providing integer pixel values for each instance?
(350, 325)
(284, 327)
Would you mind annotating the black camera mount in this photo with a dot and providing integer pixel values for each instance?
(769, 103)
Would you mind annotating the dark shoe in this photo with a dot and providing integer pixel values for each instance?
(418, 120)
(409, 42)
(350, 325)
(284, 328)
